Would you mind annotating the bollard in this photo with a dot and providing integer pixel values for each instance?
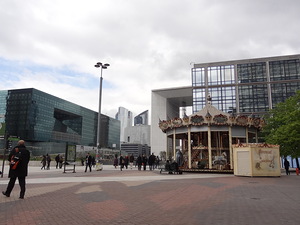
(297, 171)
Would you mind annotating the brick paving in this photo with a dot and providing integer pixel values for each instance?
(147, 197)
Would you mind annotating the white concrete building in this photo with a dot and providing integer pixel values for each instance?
(165, 104)
(139, 134)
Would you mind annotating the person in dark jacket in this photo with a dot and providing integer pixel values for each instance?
(48, 159)
(287, 166)
(20, 171)
(121, 162)
(131, 160)
(43, 162)
(116, 161)
(88, 162)
(57, 158)
(144, 160)
(151, 161)
(126, 161)
(139, 162)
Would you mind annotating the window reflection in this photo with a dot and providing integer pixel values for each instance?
(218, 75)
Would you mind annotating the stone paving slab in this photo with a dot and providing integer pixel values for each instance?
(147, 197)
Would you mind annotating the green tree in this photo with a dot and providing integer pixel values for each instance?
(283, 126)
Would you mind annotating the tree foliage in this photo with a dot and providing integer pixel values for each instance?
(283, 126)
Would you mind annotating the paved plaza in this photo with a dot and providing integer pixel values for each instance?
(137, 197)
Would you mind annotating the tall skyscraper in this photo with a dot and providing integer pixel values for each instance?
(125, 118)
(142, 118)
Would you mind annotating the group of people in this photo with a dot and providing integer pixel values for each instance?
(141, 161)
(46, 160)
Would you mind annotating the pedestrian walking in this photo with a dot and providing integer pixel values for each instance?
(48, 159)
(18, 159)
(116, 161)
(139, 162)
(121, 162)
(88, 162)
(131, 160)
(57, 160)
(287, 166)
(43, 162)
(144, 161)
(151, 161)
(126, 159)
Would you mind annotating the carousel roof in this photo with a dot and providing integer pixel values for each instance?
(210, 110)
(209, 116)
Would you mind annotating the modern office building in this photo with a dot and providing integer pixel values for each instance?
(125, 117)
(142, 118)
(139, 134)
(251, 86)
(47, 122)
(137, 137)
(136, 149)
(240, 87)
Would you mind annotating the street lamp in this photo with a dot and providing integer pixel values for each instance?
(101, 66)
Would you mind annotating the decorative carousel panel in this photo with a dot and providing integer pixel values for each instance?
(163, 125)
(197, 120)
(220, 119)
(242, 120)
(177, 122)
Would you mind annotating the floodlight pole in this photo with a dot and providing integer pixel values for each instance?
(101, 66)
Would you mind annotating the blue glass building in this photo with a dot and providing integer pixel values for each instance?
(47, 122)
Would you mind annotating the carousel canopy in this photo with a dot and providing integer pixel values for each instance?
(209, 116)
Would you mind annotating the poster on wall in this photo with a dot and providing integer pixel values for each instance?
(71, 153)
(265, 160)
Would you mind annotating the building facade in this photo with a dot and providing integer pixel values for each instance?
(250, 86)
(142, 118)
(136, 149)
(137, 137)
(47, 122)
(139, 134)
(240, 87)
(125, 118)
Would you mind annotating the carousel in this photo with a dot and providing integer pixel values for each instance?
(204, 141)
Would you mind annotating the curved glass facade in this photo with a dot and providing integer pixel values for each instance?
(36, 116)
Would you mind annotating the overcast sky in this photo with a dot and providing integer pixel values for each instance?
(53, 45)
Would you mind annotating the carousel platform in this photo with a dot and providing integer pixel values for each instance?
(206, 171)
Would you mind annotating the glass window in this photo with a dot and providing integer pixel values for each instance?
(198, 77)
(223, 98)
(219, 75)
(253, 98)
(251, 72)
(199, 99)
(284, 70)
(282, 91)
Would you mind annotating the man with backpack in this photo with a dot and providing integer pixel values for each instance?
(18, 160)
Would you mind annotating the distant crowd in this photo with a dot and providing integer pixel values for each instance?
(141, 162)
(46, 160)
(122, 162)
